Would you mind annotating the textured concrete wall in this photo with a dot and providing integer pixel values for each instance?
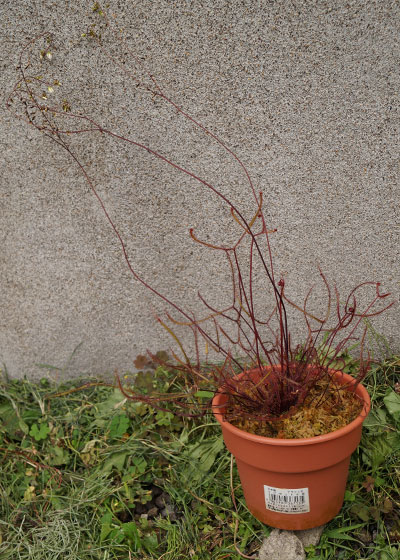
(306, 93)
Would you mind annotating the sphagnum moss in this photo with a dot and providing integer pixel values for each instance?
(314, 417)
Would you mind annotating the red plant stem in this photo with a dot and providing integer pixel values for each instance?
(291, 378)
(96, 127)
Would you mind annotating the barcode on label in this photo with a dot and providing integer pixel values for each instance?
(287, 500)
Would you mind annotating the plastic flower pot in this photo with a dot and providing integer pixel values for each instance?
(294, 484)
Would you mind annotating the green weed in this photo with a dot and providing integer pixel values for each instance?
(79, 465)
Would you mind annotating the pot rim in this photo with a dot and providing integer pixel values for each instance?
(360, 390)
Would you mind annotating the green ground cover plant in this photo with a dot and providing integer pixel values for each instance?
(87, 474)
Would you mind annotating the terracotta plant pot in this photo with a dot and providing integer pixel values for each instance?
(294, 484)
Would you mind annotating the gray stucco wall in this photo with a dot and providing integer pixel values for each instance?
(306, 93)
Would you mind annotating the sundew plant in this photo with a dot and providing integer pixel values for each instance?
(243, 334)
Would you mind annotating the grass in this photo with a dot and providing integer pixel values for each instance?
(79, 465)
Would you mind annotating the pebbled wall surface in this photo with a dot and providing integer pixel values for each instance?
(306, 93)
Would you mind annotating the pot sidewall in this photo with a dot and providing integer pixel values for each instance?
(319, 465)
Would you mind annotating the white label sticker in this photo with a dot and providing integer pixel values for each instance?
(287, 500)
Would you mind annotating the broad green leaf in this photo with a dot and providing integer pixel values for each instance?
(132, 534)
(362, 511)
(375, 512)
(30, 415)
(139, 464)
(392, 403)
(116, 460)
(10, 422)
(106, 518)
(99, 423)
(349, 496)
(150, 542)
(119, 426)
(56, 502)
(114, 401)
(376, 449)
(23, 426)
(204, 394)
(333, 534)
(59, 456)
(105, 526)
(183, 438)
(376, 421)
(164, 418)
(389, 553)
(341, 532)
(117, 535)
(39, 432)
(5, 409)
(105, 531)
(201, 457)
